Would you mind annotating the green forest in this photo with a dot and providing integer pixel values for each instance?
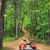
(33, 15)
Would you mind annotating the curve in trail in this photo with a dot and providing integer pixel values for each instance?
(15, 44)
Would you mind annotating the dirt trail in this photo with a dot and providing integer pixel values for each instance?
(15, 44)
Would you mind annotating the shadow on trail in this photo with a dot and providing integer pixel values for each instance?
(6, 48)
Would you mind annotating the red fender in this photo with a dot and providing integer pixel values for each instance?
(33, 45)
(22, 46)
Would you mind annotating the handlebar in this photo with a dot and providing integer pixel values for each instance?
(26, 41)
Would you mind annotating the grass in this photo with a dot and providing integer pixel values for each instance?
(8, 39)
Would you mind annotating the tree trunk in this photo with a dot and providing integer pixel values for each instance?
(16, 17)
(49, 25)
(2, 10)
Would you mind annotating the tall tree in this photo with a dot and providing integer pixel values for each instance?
(24, 12)
(49, 22)
(16, 16)
(2, 11)
(33, 15)
(19, 16)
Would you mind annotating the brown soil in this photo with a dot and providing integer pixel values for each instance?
(14, 45)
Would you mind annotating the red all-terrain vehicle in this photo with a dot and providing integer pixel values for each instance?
(28, 46)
